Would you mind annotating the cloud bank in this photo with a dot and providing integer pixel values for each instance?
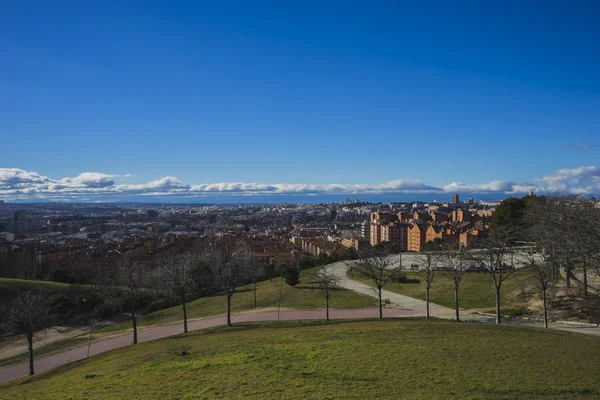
(17, 184)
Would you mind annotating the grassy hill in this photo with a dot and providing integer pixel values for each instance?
(411, 358)
(302, 297)
(8, 287)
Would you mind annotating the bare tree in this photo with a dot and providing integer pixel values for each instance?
(127, 284)
(26, 315)
(545, 239)
(176, 277)
(280, 293)
(455, 264)
(254, 290)
(380, 265)
(325, 281)
(427, 272)
(568, 228)
(231, 266)
(544, 271)
(493, 254)
(580, 235)
(253, 274)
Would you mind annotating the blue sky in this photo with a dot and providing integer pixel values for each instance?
(291, 93)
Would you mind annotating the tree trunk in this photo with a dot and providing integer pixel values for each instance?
(327, 308)
(427, 301)
(498, 317)
(456, 303)
(278, 308)
(228, 310)
(568, 272)
(585, 280)
(255, 293)
(185, 326)
(134, 321)
(89, 345)
(30, 348)
(380, 305)
(545, 308)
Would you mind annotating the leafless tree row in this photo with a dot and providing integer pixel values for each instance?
(565, 232)
(219, 267)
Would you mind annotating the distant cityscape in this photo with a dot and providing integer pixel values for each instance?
(36, 240)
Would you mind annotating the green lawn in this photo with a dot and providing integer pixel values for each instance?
(409, 358)
(476, 289)
(301, 297)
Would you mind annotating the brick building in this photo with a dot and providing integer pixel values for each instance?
(416, 237)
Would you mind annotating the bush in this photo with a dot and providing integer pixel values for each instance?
(402, 278)
(204, 280)
(305, 264)
(62, 305)
(270, 271)
(291, 275)
(62, 275)
(516, 311)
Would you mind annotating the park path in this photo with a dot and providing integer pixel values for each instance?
(419, 306)
(399, 300)
(20, 370)
(53, 335)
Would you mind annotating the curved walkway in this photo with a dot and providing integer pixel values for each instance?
(436, 310)
(340, 268)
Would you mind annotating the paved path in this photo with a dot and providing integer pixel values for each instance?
(19, 370)
(53, 335)
(397, 299)
(419, 306)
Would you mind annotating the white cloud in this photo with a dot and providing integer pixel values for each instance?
(490, 187)
(164, 184)
(14, 178)
(20, 184)
(86, 180)
(582, 180)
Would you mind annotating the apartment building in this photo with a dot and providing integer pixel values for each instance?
(355, 242)
(417, 234)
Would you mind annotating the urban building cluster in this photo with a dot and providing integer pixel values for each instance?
(410, 227)
(76, 241)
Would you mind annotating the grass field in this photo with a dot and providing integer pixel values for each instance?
(301, 297)
(476, 290)
(409, 358)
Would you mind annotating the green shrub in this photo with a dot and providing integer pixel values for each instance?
(291, 275)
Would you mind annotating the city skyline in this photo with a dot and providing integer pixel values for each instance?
(18, 185)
